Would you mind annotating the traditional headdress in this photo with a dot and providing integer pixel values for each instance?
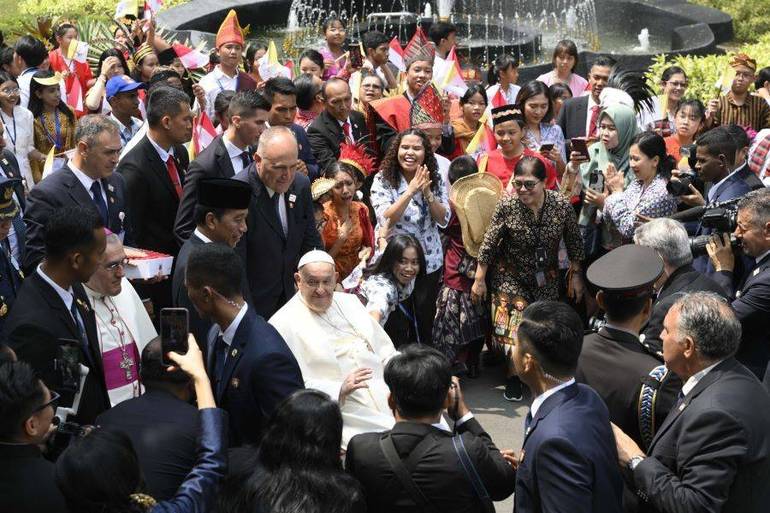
(230, 30)
(427, 110)
(419, 48)
(505, 113)
(321, 186)
(8, 207)
(741, 59)
(49, 81)
(355, 155)
(629, 88)
(474, 198)
(143, 51)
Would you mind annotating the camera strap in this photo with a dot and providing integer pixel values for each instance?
(403, 474)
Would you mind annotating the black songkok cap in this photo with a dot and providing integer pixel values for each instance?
(223, 193)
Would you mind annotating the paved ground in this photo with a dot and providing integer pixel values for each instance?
(503, 420)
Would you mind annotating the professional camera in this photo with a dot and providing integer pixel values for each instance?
(681, 185)
(596, 323)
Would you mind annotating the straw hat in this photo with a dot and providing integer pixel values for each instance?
(321, 186)
(474, 198)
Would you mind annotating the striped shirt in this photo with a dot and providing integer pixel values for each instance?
(754, 112)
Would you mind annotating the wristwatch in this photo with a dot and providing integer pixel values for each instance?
(633, 462)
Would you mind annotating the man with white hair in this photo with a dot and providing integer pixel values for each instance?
(122, 324)
(281, 224)
(339, 347)
(669, 239)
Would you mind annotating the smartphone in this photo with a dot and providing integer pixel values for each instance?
(545, 147)
(174, 327)
(354, 52)
(579, 145)
(596, 182)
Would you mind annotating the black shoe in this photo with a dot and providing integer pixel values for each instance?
(513, 390)
(473, 371)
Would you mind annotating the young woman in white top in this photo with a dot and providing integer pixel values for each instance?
(18, 124)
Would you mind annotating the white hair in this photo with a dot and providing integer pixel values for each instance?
(269, 136)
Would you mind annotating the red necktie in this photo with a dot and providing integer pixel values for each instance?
(346, 131)
(592, 128)
(173, 174)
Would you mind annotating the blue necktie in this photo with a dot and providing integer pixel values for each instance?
(96, 190)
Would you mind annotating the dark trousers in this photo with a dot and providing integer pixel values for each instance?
(425, 293)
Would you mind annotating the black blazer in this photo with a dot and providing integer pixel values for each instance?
(751, 304)
(572, 117)
(179, 298)
(325, 134)
(682, 280)
(271, 258)
(259, 373)
(712, 453)
(34, 327)
(437, 473)
(212, 162)
(27, 482)
(63, 189)
(164, 431)
(614, 363)
(152, 199)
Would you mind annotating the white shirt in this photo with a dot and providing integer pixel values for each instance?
(538, 401)
(715, 188)
(67, 296)
(510, 94)
(202, 237)
(164, 155)
(214, 83)
(19, 138)
(24, 79)
(281, 209)
(234, 153)
(443, 170)
(695, 378)
(229, 333)
(87, 181)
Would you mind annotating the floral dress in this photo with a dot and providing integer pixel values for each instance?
(346, 258)
(621, 209)
(509, 249)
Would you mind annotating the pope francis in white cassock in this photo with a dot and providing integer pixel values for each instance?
(340, 349)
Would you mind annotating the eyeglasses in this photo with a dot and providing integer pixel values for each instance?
(529, 184)
(10, 91)
(371, 86)
(53, 403)
(115, 265)
(683, 85)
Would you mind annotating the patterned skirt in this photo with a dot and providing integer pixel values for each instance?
(458, 322)
(506, 310)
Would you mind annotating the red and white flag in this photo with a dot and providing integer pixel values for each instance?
(75, 98)
(191, 59)
(396, 54)
(202, 134)
(151, 7)
(499, 99)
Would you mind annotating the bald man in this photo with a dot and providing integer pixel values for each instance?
(281, 225)
(339, 347)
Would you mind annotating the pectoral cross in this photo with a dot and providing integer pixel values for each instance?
(125, 364)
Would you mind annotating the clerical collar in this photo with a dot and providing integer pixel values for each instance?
(229, 333)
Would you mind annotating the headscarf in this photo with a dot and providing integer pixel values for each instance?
(625, 122)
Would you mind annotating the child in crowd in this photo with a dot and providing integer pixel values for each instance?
(54, 121)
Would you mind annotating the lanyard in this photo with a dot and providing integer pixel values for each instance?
(222, 88)
(57, 126)
(13, 137)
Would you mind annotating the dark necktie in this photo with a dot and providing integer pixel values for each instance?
(81, 329)
(246, 159)
(276, 201)
(527, 422)
(96, 191)
(220, 352)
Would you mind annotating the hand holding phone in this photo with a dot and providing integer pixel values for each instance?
(354, 53)
(580, 145)
(546, 147)
(174, 330)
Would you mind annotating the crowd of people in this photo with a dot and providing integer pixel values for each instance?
(345, 244)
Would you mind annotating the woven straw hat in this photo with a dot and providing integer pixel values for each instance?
(474, 198)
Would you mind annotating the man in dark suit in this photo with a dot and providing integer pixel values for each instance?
(579, 115)
(27, 407)
(282, 95)
(220, 216)
(669, 240)
(422, 448)
(613, 361)
(9, 168)
(568, 462)
(712, 450)
(226, 156)
(162, 424)
(88, 180)
(281, 224)
(154, 171)
(251, 367)
(338, 123)
(51, 324)
(751, 298)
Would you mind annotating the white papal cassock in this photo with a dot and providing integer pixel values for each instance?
(330, 346)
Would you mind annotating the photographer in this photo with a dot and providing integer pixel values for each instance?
(752, 297)
(27, 408)
(100, 472)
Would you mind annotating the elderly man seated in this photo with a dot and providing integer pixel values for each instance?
(339, 347)
(122, 323)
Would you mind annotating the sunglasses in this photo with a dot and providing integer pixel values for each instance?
(529, 184)
(53, 403)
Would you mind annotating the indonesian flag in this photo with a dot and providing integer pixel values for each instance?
(453, 80)
(152, 7)
(269, 66)
(75, 98)
(396, 54)
(202, 134)
(483, 140)
(126, 8)
(78, 51)
(498, 100)
(191, 58)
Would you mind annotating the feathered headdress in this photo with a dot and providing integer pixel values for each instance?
(355, 155)
(628, 86)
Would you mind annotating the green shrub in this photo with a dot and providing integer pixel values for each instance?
(74, 9)
(703, 72)
(750, 17)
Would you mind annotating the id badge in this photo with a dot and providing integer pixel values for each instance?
(540, 265)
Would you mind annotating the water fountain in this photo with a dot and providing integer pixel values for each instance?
(526, 28)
